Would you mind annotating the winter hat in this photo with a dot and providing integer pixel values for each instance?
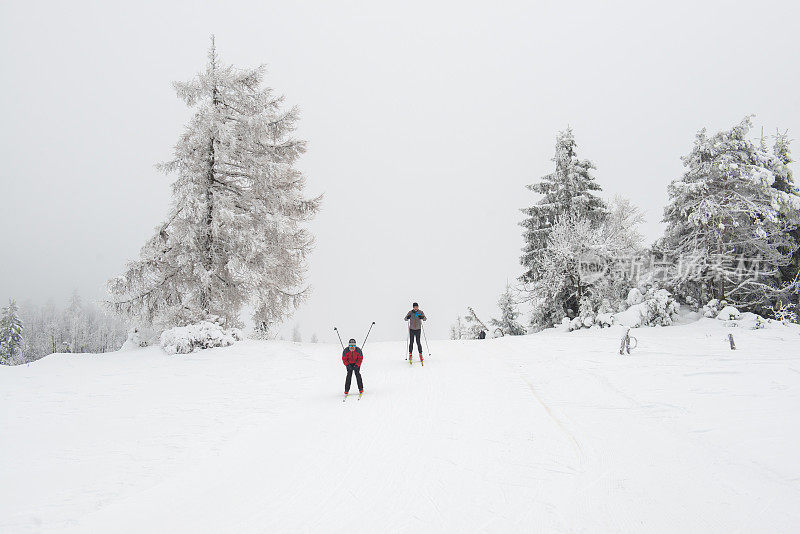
(352, 340)
(415, 304)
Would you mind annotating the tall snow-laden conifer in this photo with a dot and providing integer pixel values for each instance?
(10, 333)
(729, 224)
(784, 182)
(234, 234)
(569, 189)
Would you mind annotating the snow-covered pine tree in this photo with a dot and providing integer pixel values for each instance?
(784, 182)
(457, 329)
(474, 325)
(568, 189)
(559, 286)
(566, 286)
(728, 225)
(508, 315)
(76, 320)
(297, 337)
(235, 232)
(10, 334)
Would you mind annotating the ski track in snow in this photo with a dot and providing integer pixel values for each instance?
(552, 432)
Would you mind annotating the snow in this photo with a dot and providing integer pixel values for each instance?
(633, 316)
(201, 335)
(729, 313)
(550, 432)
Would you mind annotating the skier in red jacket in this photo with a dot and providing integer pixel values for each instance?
(352, 358)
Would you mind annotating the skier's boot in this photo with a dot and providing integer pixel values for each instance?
(420, 359)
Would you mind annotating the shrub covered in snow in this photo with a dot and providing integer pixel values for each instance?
(713, 308)
(658, 308)
(604, 319)
(728, 313)
(202, 335)
(784, 313)
(134, 340)
(634, 297)
(661, 307)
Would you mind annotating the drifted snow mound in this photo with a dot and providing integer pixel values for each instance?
(202, 335)
(729, 313)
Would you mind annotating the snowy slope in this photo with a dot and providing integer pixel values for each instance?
(553, 432)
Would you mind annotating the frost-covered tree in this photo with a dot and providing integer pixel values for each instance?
(457, 329)
(235, 233)
(507, 323)
(77, 322)
(728, 224)
(296, 336)
(784, 181)
(473, 325)
(576, 274)
(314, 338)
(10, 333)
(569, 189)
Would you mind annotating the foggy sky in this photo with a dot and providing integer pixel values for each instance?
(425, 121)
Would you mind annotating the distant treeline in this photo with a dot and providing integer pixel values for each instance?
(78, 327)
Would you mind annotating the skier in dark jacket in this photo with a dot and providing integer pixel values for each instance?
(352, 358)
(415, 318)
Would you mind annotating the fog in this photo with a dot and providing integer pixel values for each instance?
(425, 121)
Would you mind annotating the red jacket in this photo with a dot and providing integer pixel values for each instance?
(352, 356)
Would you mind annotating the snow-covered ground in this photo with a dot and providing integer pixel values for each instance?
(553, 432)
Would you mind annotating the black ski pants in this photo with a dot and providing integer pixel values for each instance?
(412, 335)
(351, 367)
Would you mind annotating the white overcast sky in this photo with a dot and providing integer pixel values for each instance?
(425, 121)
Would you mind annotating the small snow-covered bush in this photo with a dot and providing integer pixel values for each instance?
(713, 308)
(658, 308)
(605, 319)
(759, 323)
(728, 313)
(202, 335)
(634, 297)
(784, 313)
(661, 307)
(575, 324)
(134, 340)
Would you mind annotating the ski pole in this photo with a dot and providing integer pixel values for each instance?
(426, 339)
(367, 336)
(340, 337)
